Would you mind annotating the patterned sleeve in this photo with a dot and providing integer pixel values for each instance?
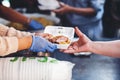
(8, 45)
(10, 32)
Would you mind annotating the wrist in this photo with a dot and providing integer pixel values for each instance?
(28, 21)
(71, 9)
(25, 42)
(89, 46)
(34, 25)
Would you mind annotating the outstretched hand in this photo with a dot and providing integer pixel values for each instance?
(79, 46)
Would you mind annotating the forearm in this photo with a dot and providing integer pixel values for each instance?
(12, 15)
(10, 45)
(24, 43)
(6, 31)
(111, 48)
(83, 11)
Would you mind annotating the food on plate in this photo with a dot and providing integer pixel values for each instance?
(62, 36)
(60, 39)
(45, 35)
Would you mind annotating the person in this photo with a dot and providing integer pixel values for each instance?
(12, 40)
(111, 19)
(86, 14)
(29, 6)
(12, 15)
(84, 44)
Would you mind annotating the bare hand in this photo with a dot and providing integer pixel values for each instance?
(79, 46)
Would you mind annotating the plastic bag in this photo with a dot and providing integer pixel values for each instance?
(33, 68)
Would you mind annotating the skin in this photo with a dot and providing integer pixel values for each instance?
(84, 44)
(69, 9)
(24, 43)
(12, 15)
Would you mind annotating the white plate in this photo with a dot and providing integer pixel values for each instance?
(59, 30)
(48, 4)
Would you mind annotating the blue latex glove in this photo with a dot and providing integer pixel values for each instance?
(40, 44)
(35, 25)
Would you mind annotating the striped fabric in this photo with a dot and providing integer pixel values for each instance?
(32, 69)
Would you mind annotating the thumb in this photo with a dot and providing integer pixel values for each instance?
(61, 4)
(78, 32)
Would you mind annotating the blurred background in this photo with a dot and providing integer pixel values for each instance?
(93, 67)
(30, 8)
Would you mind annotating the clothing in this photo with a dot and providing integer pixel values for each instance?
(85, 23)
(9, 39)
(111, 19)
(1, 1)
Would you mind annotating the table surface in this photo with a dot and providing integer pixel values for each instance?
(93, 67)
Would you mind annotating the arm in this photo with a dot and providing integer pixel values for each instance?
(69, 9)
(83, 11)
(24, 43)
(94, 7)
(13, 15)
(11, 32)
(109, 48)
(6, 31)
(10, 45)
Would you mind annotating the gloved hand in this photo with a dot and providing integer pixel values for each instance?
(35, 25)
(40, 44)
